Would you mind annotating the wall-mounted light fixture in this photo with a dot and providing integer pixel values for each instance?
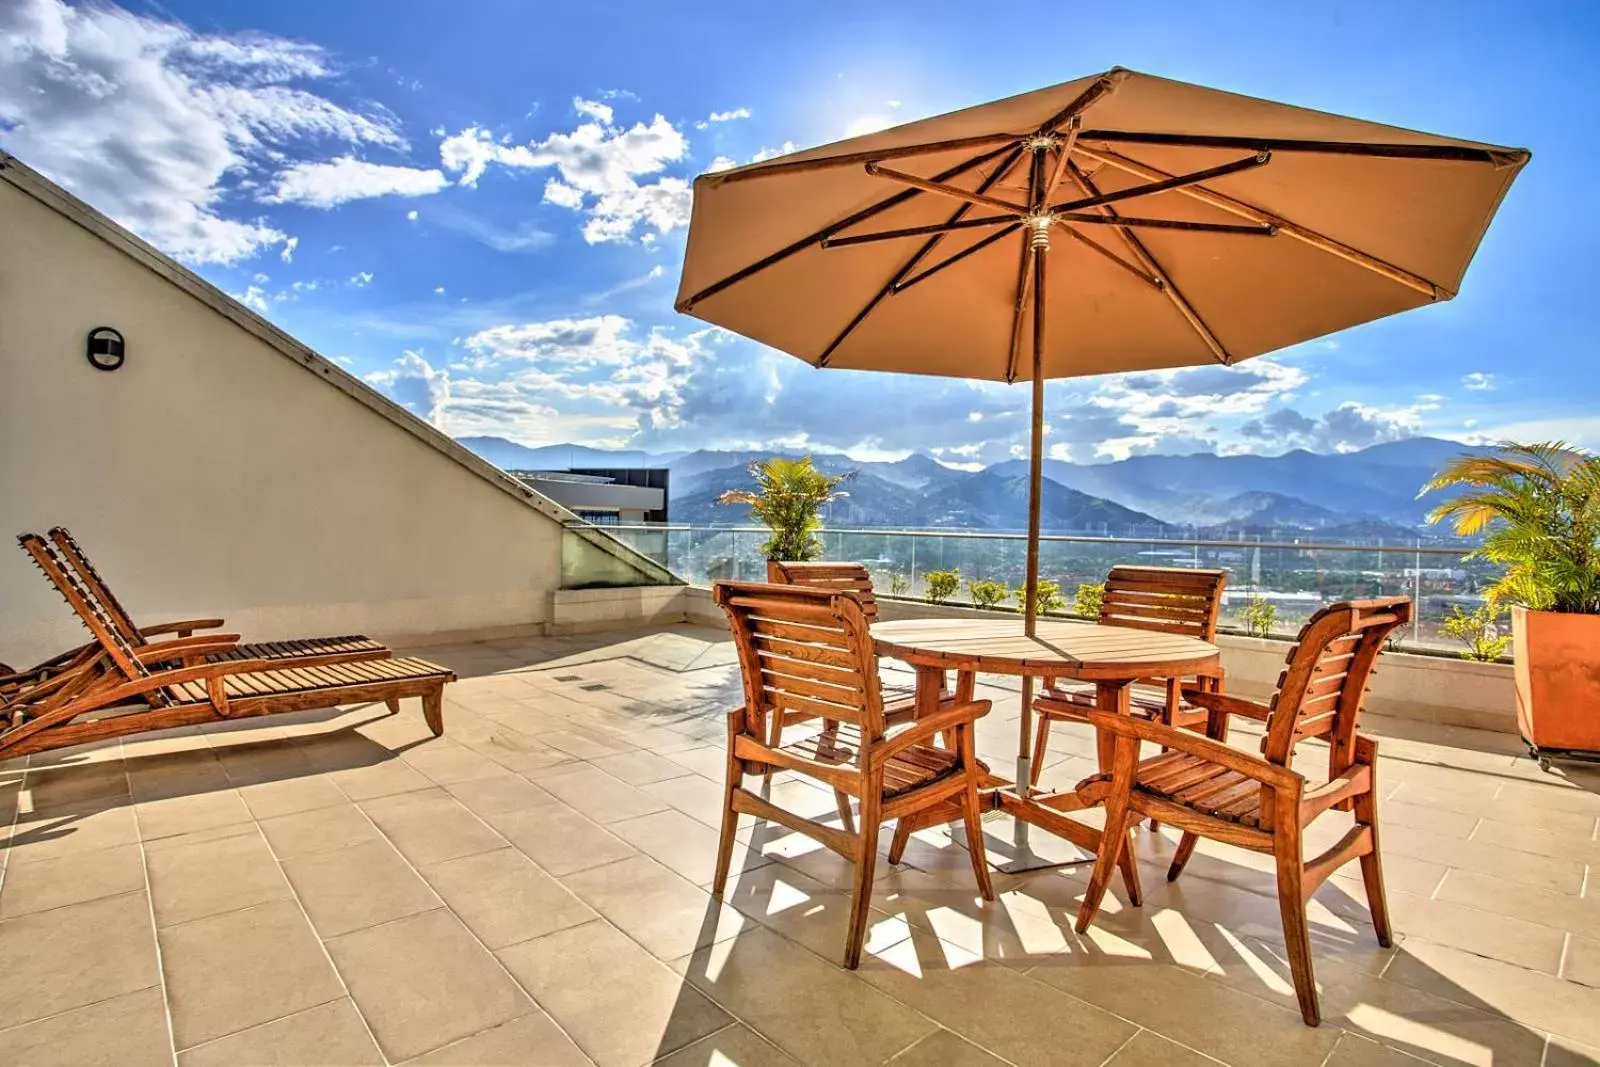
(107, 350)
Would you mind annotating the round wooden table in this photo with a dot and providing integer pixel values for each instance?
(1112, 657)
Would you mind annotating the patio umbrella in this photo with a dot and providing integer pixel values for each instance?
(1118, 222)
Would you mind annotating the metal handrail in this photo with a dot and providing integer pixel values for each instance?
(1303, 546)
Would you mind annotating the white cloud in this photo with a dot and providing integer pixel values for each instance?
(340, 180)
(729, 116)
(598, 166)
(1478, 381)
(252, 297)
(439, 289)
(157, 124)
(411, 216)
(1346, 428)
(361, 279)
(862, 125)
(773, 153)
(721, 163)
(289, 245)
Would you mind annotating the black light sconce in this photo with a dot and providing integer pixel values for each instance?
(107, 350)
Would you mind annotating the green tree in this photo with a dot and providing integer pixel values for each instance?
(986, 593)
(939, 586)
(789, 498)
(1537, 508)
(1478, 631)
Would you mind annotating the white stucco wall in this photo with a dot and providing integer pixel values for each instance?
(213, 475)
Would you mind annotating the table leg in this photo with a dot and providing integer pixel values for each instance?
(1113, 697)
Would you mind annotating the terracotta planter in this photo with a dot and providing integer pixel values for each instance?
(1558, 682)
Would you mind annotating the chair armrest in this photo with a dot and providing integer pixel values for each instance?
(187, 647)
(1223, 704)
(944, 719)
(1193, 744)
(182, 628)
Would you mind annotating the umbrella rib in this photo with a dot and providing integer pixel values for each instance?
(1086, 99)
(945, 190)
(916, 231)
(1064, 153)
(1024, 287)
(1282, 225)
(830, 229)
(1133, 269)
(1447, 153)
(1194, 178)
(1170, 224)
(1181, 302)
(971, 249)
(893, 284)
(794, 166)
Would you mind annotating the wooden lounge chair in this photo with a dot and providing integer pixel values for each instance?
(1176, 600)
(126, 690)
(1207, 789)
(809, 650)
(350, 647)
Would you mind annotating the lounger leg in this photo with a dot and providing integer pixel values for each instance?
(433, 710)
(1180, 858)
(866, 864)
(394, 705)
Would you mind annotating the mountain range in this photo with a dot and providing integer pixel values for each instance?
(1362, 495)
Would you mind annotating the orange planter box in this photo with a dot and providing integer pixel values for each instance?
(1558, 680)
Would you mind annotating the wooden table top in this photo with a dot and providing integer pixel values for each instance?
(1066, 649)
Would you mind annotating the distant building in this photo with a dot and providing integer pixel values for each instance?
(609, 497)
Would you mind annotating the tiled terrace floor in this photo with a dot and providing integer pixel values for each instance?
(343, 888)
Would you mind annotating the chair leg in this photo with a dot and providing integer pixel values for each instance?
(841, 800)
(1366, 807)
(433, 710)
(1292, 907)
(1114, 838)
(1041, 737)
(866, 864)
(974, 820)
(730, 822)
(394, 705)
(1180, 858)
(901, 838)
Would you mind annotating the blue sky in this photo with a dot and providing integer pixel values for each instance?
(481, 207)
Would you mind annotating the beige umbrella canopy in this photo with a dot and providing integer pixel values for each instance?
(1181, 226)
(1184, 226)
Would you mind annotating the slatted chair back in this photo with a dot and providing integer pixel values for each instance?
(803, 650)
(840, 577)
(89, 608)
(78, 560)
(1176, 600)
(1321, 691)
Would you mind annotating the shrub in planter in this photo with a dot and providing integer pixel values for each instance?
(1087, 600)
(987, 593)
(939, 586)
(1258, 615)
(1537, 508)
(1478, 631)
(1050, 598)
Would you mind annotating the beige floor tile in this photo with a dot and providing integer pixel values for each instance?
(1182, 1006)
(1578, 847)
(1537, 1001)
(1562, 1052)
(189, 882)
(1516, 865)
(697, 797)
(431, 826)
(500, 792)
(72, 879)
(443, 761)
(354, 888)
(532, 1040)
(640, 768)
(173, 774)
(77, 955)
(590, 976)
(65, 786)
(330, 1034)
(58, 832)
(290, 795)
(943, 1048)
(740, 1046)
(1394, 812)
(1582, 961)
(263, 755)
(708, 761)
(559, 839)
(122, 1031)
(1011, 1015)
(669, 916)
(504, 898)
(385, 779)
(1354, 1051)
(1152, 1050)
(683, 845)
(781, 990)
(423, 982)
(1485, 933)
(242, 969)
(1579, 915)
(186, 814)
(807, 912)
(597, 795)
(319, 830)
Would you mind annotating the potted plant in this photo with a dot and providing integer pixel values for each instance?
(789, 497)
(1537, 508)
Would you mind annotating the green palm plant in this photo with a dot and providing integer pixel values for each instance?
(789, 498)
(1537, 508)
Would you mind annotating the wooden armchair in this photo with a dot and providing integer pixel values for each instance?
(123, 689)
(1176, 600)
(1207, 789)
(809, 651)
